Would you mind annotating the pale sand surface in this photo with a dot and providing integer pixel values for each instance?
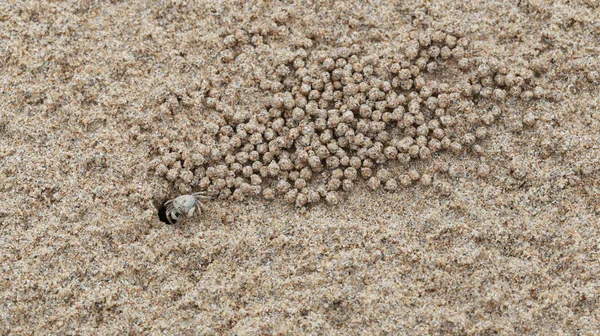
(82, 251)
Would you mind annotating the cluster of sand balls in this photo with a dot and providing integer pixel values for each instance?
(334, 118)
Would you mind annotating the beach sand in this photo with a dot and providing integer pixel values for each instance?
(91, 90)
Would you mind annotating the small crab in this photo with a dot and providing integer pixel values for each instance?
(183, 205)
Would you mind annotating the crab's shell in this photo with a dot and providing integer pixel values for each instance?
(185, 204)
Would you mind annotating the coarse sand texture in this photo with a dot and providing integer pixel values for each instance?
(354, 167)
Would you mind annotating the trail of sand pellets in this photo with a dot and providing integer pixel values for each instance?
(338, 117)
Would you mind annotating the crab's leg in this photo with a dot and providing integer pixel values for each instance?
(198, 207)
(201, 194)
(169, 210)
(169, 218)
(201, 207)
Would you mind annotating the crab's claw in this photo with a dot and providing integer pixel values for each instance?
(173, 217)
(190, 213)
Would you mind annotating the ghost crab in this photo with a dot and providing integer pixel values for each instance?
(184, 205)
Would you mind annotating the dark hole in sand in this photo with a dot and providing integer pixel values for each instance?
(162, 211)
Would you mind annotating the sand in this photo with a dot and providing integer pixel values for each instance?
(84, 252)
